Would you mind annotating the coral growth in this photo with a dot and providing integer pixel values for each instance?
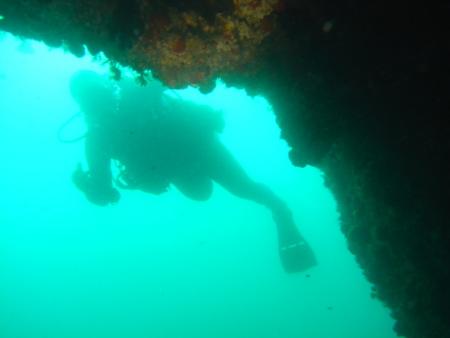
(186, 48)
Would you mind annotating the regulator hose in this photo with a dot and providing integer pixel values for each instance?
(60, 133)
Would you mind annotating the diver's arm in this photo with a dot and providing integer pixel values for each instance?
(98, 159)
(96, 183)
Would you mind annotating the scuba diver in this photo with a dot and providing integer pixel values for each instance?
(159, 141)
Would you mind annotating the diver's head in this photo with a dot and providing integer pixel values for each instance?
(94, 93)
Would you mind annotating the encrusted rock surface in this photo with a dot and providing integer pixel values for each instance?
(361, 90)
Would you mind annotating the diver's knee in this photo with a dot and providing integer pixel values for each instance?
(200, 198)
(201, 191)
(202, 194)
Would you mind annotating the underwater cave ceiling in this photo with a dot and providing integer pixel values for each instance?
(360, 91)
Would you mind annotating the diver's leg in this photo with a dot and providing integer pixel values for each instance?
(226, 171)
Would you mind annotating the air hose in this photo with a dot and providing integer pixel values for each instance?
(60, 133)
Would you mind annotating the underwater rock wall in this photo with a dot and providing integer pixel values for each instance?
(361, 90)
(183, 42)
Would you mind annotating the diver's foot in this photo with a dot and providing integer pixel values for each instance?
(297, 256)
(295, 253)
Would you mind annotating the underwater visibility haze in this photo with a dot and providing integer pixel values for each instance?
(159, 266)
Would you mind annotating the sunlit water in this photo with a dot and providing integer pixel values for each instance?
(159, 266)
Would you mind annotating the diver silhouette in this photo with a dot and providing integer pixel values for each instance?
(158, 141)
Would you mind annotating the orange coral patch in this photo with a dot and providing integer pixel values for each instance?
(280, 6)
(254, 4)
(267, 24)
(179, 45)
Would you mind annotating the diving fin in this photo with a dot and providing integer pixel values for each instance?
(295, 253)
(297, 257)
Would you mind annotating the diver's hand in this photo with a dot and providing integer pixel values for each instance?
(95, 193)
(80, 178)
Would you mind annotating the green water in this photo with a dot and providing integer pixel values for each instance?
(159, 266)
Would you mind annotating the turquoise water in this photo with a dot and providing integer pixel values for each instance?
(159, 266)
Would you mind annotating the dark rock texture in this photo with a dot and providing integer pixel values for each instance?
(361, 90)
